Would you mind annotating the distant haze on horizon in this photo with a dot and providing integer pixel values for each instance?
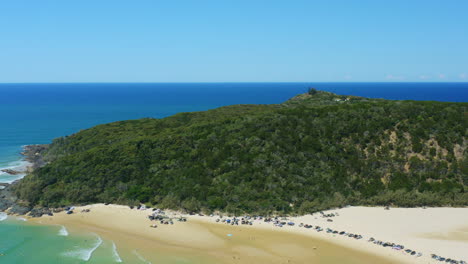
(233, 41)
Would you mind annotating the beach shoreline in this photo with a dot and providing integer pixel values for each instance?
(31, 159)
(428, 231)
(14, 171)
(203, 234)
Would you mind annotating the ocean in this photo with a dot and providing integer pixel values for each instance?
(37, 113)
(21, 242)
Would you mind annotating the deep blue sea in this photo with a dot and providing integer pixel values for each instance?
(37, 113)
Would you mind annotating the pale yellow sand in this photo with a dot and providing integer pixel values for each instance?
(442, 231)
(201, 240)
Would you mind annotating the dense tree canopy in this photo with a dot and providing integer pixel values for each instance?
(315, 151)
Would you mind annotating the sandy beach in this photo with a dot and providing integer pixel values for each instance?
(441, 231)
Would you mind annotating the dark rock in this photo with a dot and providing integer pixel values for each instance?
(7, 197)
(19, 209)
(5, 204)
(35, 155)
(38, 212)
(12, 172)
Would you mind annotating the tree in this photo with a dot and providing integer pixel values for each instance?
(312, 91)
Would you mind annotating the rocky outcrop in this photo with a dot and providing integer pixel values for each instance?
(5, 204)
(35, 155)
(10, 203)
(7, 198)
(12, 172)
(19, 209)
(38, 212)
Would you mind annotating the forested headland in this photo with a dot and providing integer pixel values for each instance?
(315, 151)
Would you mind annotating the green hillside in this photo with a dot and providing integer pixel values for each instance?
(315, 151)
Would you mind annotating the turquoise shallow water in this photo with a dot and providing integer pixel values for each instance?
(37, 113)
(22, 242)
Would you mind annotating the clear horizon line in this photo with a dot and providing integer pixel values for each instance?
(170, 82)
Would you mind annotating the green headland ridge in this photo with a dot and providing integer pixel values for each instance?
(315, 151)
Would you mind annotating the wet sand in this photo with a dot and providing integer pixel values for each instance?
(201, 240)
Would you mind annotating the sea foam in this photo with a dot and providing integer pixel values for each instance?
(140, 257)
(63, 231)
(3, 216)
(85, 253)
(20, 165)
(115, 253)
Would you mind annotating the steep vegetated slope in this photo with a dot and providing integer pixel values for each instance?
(315, 151)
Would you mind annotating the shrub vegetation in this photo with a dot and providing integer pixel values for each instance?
(317, 150)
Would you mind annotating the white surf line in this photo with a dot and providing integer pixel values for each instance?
(21, 219)
(85, 254)
(116, 254)
(141, 257)
(3, 216)
(98, 243)
(63, 231)
(18, 165)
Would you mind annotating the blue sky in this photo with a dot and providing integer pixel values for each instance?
(233, 41)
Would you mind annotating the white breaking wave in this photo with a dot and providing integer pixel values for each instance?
(3, 216)
(63, 231)
(22, 219)
(116, 254)
(141, 257)
(85, 254)
(96, 245)
(20, 165)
